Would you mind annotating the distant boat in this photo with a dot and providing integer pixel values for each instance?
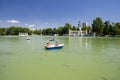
(28, 38)
(52, 47)
(53, 39)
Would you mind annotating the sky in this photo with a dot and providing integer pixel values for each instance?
(54, 13)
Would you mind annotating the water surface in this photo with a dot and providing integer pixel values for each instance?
(82, 58)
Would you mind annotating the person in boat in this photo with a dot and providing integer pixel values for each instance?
(56, 43)
(47, 44)
(52, 39)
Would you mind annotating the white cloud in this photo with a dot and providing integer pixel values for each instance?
(31, 25)
(26, 24)
(13, 21)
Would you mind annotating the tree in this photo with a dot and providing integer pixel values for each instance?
(73, 28)
(106, 28)
(38, 32)
(98, 26)
(55, 31)
(111, 30)
(3, 31)
(27, 30)
(49, 31)
(15, 30)
(60, 30)
(44, 32)
(88, 28)
(66, 28)
(117, 28)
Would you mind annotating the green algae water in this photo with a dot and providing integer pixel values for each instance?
(82, 58)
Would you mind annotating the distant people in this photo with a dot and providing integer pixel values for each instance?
(56, 43)
(48, 44)
(53, 39)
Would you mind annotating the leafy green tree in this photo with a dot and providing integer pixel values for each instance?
(98, 26)
(44, 32)
(106, 28)
(38, 32)
(66, 28)
(27, 30)
(117, 28)
(3, 31)
(112, 29)
(60, 30)
(15, 30)
(73, 28)
(55, 31)
(49, 31)
(88, 28)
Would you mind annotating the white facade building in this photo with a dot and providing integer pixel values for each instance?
(78, 32)
(23, 34)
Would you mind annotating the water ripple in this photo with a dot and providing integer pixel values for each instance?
(103, 78)
(6, 53)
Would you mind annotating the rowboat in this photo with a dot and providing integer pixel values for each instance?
(52, 47)
(28, 38)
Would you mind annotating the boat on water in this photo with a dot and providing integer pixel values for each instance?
(27, 38)
(53, 39)
(54, 46)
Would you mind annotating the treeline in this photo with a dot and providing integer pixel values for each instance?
(98, 26)
(14, 30)
(61, 30)
(105, 28)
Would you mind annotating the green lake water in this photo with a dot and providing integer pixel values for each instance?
(82, 58)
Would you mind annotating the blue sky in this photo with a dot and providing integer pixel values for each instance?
(55, 13)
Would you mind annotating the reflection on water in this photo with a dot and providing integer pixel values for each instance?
(2, 67)
(6, 53)
(82, 58)
(66, 65)
(104, 78)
